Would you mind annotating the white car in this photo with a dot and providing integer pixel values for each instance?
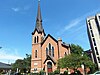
(96, 73)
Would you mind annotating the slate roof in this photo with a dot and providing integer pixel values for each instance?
(4, 66)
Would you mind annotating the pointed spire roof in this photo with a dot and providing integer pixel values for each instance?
(39, 26)
(39, 17)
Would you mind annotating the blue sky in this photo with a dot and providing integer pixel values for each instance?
(61, 18)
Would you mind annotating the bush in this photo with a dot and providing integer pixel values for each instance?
(65, 72)
(56, 72)
(51, 73)
(34, 73)
(42, 72)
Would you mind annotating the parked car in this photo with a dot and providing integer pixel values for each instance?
(96, 73)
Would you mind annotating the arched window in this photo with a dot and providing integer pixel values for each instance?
(34, 39)
(46, 51)
(35, 53)
(49, 46)
(49, 49)
(53, 51)
(49, 52)
(37, 39)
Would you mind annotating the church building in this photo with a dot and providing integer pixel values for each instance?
(46, 50)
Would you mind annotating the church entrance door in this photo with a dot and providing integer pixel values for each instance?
(49, 67)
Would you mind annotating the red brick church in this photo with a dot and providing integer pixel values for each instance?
(46, 50)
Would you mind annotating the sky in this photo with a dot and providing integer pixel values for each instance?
(61, 18)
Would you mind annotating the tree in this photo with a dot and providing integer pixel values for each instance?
(76, 49)
(22, 64)
(19, 63)
(71, 61)
(75, 59)
(27, 62)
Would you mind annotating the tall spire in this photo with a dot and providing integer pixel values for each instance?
(38, 26)
(39, 19)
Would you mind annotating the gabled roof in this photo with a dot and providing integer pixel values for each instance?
(49, 58)
(4, 66)
(50, 37)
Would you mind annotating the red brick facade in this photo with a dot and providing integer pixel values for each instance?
(46, 50)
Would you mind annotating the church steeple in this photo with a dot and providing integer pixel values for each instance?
(39, 26)
(39, 17)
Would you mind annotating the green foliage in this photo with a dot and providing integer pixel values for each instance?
(75, 59)
(22, 64)
(41, 72)
(27, 62)
(51, 73)
(65, 72)
(76, 49)
(93, 69)
(70, 61)
(19, 63)
(56, 72)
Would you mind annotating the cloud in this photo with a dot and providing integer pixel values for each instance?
(78, 21)
(72, 24)
(76, 30)
(16, 9)
(21, 9)
(9, 54)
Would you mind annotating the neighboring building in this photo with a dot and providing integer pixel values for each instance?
(4, 67)
(46, 50)
(90, 54)
(93, 29)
